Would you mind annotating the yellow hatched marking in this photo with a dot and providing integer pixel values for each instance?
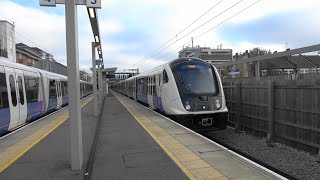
(196, 164)
(190, 163)
(17, 150)
(179, 151)
(172, 147)
(187, 157)
(208, 173)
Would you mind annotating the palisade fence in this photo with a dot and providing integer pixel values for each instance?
(285, 111)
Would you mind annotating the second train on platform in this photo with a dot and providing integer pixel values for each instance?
(189, 90)
(28, 93)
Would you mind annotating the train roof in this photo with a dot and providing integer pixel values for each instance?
(7, 63)
(163, 65)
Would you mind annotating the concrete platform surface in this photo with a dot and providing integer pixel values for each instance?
(42, 151)
(197, 156)
(126, 151)
(132, 142)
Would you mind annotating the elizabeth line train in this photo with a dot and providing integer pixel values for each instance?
(28, 93)
(188, 90)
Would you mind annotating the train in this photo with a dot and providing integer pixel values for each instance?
(28, 93)
(188, 90)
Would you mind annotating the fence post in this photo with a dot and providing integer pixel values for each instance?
(238, 127)
(271, 94)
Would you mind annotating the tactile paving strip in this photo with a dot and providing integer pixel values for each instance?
(189, 162)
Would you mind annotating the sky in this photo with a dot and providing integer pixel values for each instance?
(134, 32)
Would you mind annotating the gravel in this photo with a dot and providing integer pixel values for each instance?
(299, 164)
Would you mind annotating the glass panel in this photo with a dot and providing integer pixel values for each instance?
(13, 90)
(66, 88)
(31, 85)
(3, 92)
(195, 78)
(52, 87)
(20, 85)
(165, 77)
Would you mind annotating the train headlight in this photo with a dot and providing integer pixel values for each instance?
(218, 104)
(188, 107)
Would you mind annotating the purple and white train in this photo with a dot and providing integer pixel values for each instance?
(28, 93)
(187, 89)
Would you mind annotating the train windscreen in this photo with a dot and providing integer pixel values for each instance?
(194, 78)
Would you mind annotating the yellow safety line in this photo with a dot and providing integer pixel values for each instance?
(181, 166)
(190, 163)
(64, 118)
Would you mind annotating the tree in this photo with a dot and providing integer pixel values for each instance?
(258, 52)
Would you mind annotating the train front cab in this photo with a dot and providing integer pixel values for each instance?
(201, 103)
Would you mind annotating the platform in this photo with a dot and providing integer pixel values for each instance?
(133, 142)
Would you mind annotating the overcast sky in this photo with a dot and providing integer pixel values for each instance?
(133, 29)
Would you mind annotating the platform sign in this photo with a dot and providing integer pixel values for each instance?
(47, 2)
(234, 71)
(94, 3)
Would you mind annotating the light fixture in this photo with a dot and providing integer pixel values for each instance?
(91, 13)
(97, 39)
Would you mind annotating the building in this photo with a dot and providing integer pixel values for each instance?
(7, 41)
(27, 55)
(214, 56)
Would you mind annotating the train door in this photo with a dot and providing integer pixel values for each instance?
(154, 92)
(150, 97)
(17, 97)
(135, 88)
(59, 93)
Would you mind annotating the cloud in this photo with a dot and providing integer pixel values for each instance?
(131, 30)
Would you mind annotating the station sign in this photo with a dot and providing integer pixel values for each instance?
(47, 2)
(234, 71)
(94, 3)
(88, 3)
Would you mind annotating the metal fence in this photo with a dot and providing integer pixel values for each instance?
(286, 111)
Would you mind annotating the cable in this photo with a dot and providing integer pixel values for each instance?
(181, 31)
(212, 28)
(30, 41)
(198, 27)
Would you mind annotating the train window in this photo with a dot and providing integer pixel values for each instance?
(31, 84)
(65, 88)
(154, 85)
(3, 92)
(13, 90)
(52, 87)
(165, 77)
(21, 94)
